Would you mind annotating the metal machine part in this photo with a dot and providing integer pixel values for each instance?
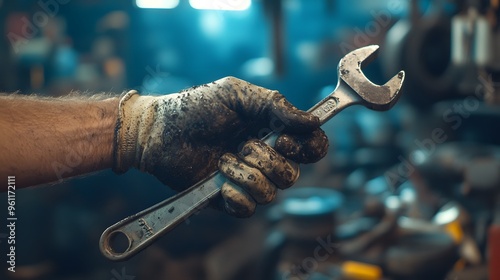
(420, 44)
(471, 39)
(274, 11)
(421, 256)
(305, 214)
(471, 48)
(308, 212)
(353, 88)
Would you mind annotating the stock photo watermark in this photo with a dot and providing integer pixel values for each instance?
(321, 253)
(122, 275)
(31, 26)
(453, 116)
(374, 28)
(72, 160)
(11, 223)
(155, 77)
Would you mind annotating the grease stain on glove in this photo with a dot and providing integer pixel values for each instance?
(181, 138)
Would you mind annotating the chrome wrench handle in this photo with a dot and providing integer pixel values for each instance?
(141, 229)
(146, 226)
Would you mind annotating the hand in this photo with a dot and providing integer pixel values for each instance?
(181, 138)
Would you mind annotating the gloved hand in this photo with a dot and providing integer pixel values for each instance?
(181, 138)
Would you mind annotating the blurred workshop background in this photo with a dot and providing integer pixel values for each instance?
(412, 193)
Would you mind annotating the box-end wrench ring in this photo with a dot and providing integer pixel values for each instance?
(141, 229)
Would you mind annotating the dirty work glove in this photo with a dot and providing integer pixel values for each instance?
(181, 138)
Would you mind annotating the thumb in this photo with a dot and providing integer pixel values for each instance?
(293, 119)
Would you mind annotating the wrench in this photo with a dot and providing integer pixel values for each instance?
(140, 230)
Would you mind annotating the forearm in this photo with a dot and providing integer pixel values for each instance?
(48, 140)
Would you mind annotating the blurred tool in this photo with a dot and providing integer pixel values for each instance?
(421, 43)
(353, 88)
(421, 256)
(274, 12)
(304, 216)
(396, 247)
(447, 52)
(471, 49)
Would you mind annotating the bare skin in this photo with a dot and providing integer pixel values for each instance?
(178, 138)
(45, 140)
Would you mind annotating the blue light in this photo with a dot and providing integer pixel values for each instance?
(311, 201)
(225, 5)
(157, 4)
(211, 24)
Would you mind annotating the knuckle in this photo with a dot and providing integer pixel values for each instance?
(256, 182)
(224, 161)
(227, 191)
(289, 175)
(237, 203)
(230, 81)
(269, 196)
(250, 145)
(318, 145)
(277, 100)
(277, 95)
(258, 186)
(230, 167)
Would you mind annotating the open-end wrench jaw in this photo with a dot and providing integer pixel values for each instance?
(376, 97)
(141, 229)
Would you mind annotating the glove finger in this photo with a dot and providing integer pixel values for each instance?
(279, 170)
(293, 119)
(237, 202)
(303, 148)
(248, 178)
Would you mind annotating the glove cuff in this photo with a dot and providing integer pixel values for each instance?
(134, 115)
